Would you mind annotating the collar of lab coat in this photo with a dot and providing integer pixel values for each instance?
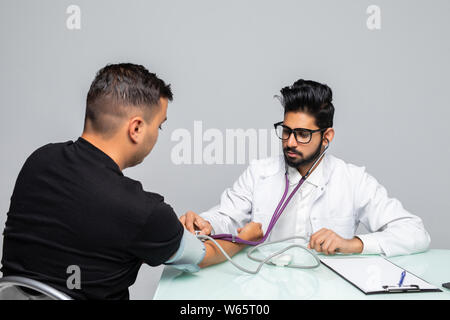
(270, 167)
(315, 178)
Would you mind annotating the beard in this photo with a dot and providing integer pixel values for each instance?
(302, 160)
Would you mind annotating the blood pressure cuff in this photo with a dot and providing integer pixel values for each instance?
(189, 254)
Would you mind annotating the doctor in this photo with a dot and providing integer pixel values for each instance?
(335, 198)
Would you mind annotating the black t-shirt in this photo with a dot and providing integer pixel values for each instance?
(72, 206)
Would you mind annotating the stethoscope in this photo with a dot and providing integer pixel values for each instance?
(279, 209)
(276, 215)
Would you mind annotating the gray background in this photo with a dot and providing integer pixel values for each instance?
(225, 61)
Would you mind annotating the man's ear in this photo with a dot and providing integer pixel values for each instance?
(135, 129)
(328, 136)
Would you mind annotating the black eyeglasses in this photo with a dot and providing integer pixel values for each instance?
(302, 135)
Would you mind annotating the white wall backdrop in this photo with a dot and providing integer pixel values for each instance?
(388, 67)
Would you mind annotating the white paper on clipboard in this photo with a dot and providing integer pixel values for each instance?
(373, 274)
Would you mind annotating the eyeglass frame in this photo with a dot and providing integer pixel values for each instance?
(292, 131)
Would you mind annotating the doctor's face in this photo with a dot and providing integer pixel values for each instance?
(297, 154)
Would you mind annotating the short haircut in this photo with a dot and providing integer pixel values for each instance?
(312, 98)
(116, 90)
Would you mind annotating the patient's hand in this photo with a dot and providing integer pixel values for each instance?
(252, 231)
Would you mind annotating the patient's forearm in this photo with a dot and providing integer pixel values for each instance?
(213, 254)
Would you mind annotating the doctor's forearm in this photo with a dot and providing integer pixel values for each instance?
(213, 254)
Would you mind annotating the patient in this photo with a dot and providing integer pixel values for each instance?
(73, 206)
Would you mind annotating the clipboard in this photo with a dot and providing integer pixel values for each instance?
(376, 275)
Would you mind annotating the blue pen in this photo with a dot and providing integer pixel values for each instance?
(402, 277)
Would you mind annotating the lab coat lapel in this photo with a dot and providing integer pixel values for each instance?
(321, 180)
(320, 207)
(267, 195)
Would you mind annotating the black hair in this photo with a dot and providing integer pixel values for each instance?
(311, 97)
(116, 89)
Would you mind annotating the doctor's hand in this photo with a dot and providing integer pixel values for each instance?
(328, 242)
(252, 231)
(192, 222)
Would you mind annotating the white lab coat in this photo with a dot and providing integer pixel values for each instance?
(346, 196)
